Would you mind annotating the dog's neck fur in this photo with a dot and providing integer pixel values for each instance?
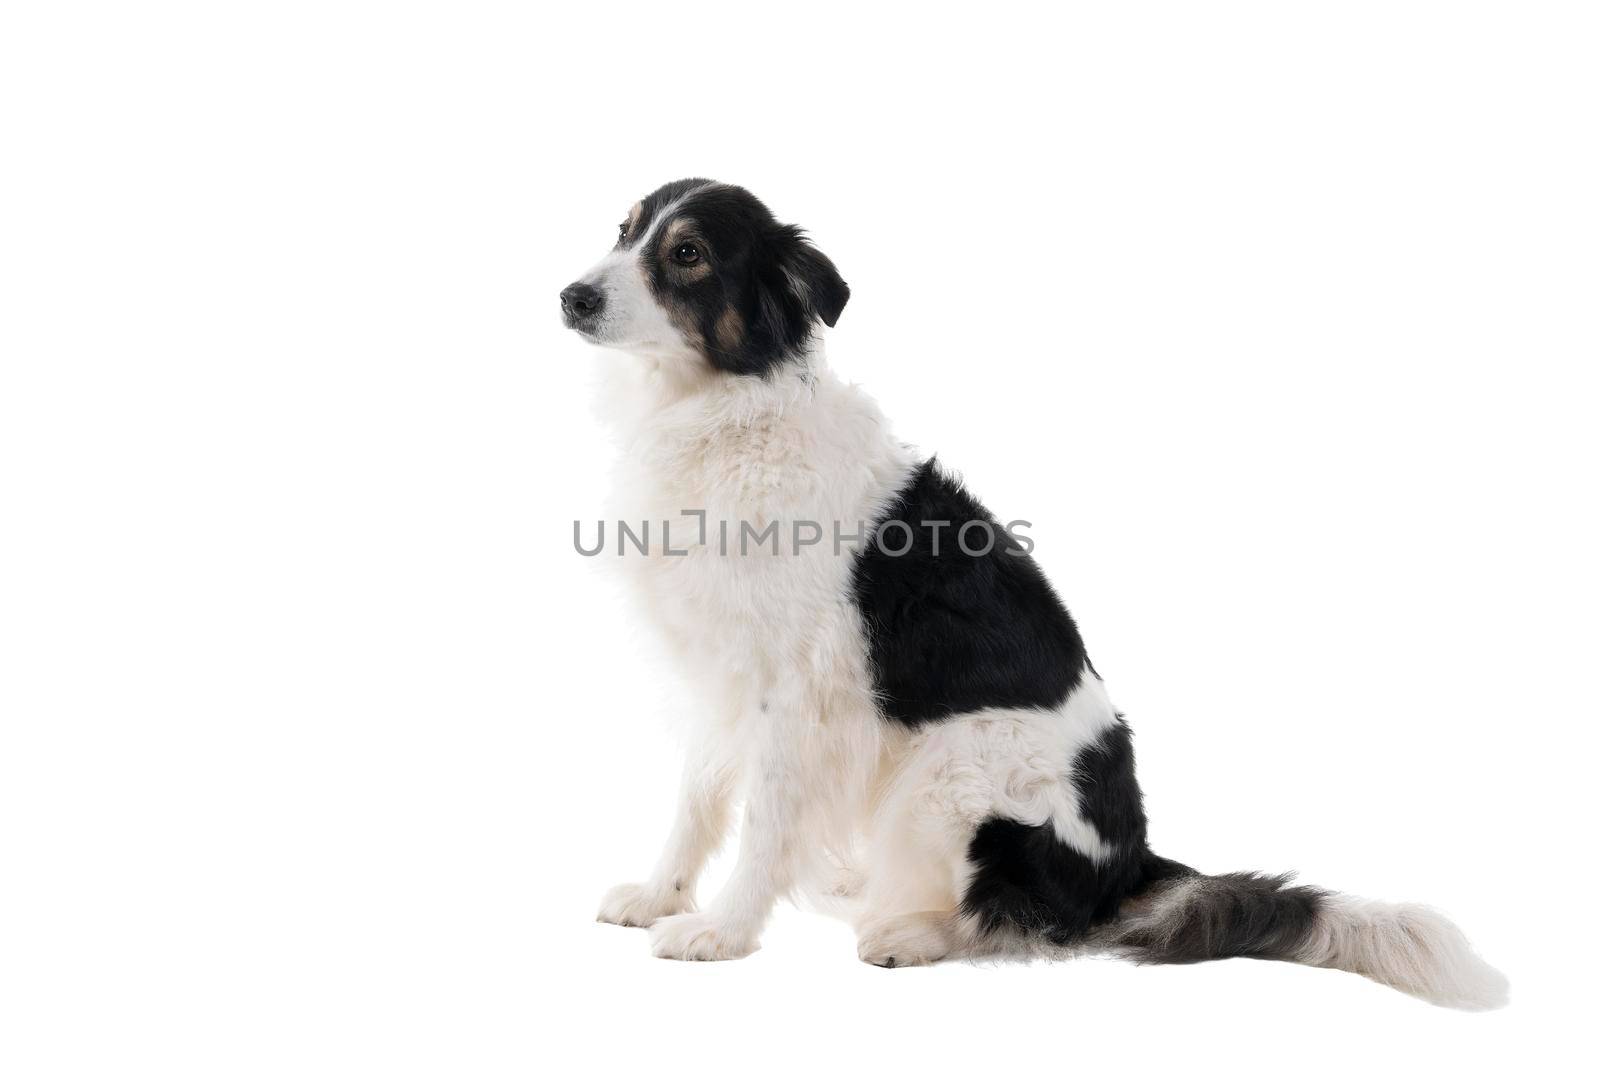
(747, 445)
(649, 398)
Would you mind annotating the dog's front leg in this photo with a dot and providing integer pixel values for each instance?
(769, 848)
(704, 805)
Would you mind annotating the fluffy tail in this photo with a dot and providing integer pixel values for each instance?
(1190, 917)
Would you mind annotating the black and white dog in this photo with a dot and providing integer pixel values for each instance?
(885, 677)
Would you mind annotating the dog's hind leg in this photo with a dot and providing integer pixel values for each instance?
(916, 868)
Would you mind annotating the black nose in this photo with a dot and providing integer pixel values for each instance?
(580, 301)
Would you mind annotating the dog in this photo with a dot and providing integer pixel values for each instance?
(885, 677)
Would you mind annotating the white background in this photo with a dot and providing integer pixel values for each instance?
(320, 743)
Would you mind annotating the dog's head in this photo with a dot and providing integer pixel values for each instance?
(701, 271)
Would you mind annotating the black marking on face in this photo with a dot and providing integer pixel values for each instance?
(743, 289)
(643, 214)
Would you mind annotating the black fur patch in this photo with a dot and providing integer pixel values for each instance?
(1108, 789)
(950, 632)
(748, 290)
(1030, 881)
(1025, 878)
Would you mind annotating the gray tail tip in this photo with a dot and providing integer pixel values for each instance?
(1191, 917)
(1410, 947)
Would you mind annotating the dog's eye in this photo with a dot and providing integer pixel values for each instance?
(622, 231)
(686, 254)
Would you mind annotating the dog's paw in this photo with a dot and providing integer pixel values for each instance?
(641, 905)
(907, 940)
(698, 936)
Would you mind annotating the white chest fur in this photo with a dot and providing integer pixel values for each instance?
(752, 500)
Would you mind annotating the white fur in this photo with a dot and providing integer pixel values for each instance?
(1408, 946)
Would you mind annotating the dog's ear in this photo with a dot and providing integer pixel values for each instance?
(807, 283)
(816, 280)
(795, 286)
